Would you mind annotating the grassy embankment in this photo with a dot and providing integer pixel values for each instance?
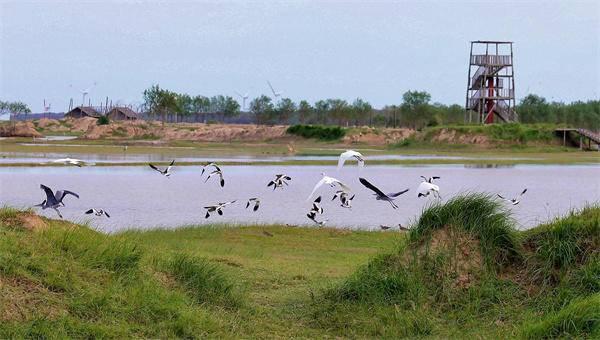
(462, 271)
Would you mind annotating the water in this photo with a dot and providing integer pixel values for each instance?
(138, 197)
(43, 157)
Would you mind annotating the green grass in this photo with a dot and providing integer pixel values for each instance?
(217, 281)
(324, 133)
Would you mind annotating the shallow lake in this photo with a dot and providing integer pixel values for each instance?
(138, 197)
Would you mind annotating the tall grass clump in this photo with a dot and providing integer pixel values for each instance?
(325, 133)
(103, 120)
(97, 250)
(579, 319)
(204, 281)
(480, 215)
(558, 246)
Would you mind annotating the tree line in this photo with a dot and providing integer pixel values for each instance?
(415, 110)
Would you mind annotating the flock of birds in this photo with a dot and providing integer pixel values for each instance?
(345, 195)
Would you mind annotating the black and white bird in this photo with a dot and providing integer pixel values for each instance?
(345, 198)
(256, 202)
(313, 216)
(348, 155)
(328, 180)
(427, 187)
(516, 200)
(216, 172)
(166, 172)
(97, 212)
(211, 164)
(316, 206)
(430, 179)
(279, 181)
(218, 208)
(54, 200)
(380, 196)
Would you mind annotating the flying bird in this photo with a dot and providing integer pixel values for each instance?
(316, 206)
(380, 196)
(213, 164)
(256, 203)
(279, 181)
(54, 200)
(218, 208)
(216, 172)
(97, 212)
(69, 161)
(426, 188)
(351, 154)
(313, 216)
(166, 172)
(344, 199)
(430, 179)
(328, 180)
(516, 200)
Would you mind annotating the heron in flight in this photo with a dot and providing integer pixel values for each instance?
(54, 200)
(380, 196)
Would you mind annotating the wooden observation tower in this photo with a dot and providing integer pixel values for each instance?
(491, 84)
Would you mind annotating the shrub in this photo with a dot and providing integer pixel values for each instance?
(326, 133)
(103, 120)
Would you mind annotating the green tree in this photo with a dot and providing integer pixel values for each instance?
(322, 111)
(231, 108)
(413, 99)
(262, 108)
(361, 109)
(338, 110)
(285, 108)
(305, 111)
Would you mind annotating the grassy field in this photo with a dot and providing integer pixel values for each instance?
(462, 271)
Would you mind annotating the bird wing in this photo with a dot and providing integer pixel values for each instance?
(247, 204)
(396, 194)
(155, 168)
(105, 213)
(524, 191)
(342, 185)
(49, 194)
(222, 179)
(436, 177)
(60, 194)
(256, 205)
(371, 186)
(91, 211)
(502, 197)
(317, 187)
(318, 200)
(343, 157)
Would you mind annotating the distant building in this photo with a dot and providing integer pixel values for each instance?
(82, 111)
(122, 113)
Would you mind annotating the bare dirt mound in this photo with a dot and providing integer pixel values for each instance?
(25, 220)
(453, 137)
(456, 255)
(46, 122)
(373, 136)
(19, 129)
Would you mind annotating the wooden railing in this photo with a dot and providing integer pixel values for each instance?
(486, 59)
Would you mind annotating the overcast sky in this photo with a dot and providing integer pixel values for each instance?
(307, 49)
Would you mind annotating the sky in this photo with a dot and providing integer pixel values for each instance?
(307, 49)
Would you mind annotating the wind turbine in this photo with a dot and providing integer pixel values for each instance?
(275, 94)
(244, 97)
(46, 107)
(85, 92)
